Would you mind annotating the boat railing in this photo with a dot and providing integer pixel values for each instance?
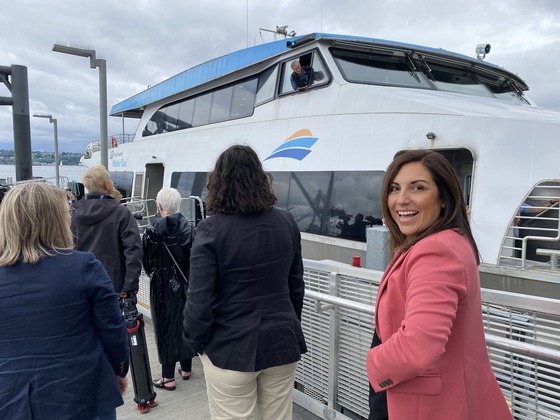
(532, 240)
(113, 142)
(62, 181)
(522, 336)
(145, 209)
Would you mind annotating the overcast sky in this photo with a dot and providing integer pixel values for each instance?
(147, 41)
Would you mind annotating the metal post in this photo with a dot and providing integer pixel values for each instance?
(56, 160)
(22, 127)
(378, 252)
(102, 64)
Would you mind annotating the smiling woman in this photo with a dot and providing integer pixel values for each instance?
(414, 200)
(429, 338)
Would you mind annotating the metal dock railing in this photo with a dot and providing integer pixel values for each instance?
(522, 336)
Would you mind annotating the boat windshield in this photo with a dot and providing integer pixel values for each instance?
(409, 69)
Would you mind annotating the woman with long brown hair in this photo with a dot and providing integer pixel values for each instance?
(429, 352)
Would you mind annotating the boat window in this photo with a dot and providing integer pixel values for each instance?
(409, 69)
(376, 68)
(340, 204)
(267, 85)
(280, 182)
(319, 75)
(202, 106)
(185, 117)
(229, 102)
(457, 80)
(221, 103)
(190, 183)
(503, 89)
(243, 99)
(354, 204)
(122, 181)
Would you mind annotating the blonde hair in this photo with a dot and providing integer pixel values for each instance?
(94, 179)
(33, 223)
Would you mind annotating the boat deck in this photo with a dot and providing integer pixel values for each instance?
(188, 401)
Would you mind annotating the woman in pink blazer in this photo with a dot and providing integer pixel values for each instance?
(431, 356)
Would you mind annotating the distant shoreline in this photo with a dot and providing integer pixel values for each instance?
(7, 157)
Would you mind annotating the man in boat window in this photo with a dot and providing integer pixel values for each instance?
(302, 76)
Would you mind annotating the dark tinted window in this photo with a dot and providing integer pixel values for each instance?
(341, 204)
(123, 182)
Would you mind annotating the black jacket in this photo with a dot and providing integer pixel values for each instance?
(103, 226)
(168, 287)
(246, 290)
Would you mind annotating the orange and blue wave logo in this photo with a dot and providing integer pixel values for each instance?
(297, 146)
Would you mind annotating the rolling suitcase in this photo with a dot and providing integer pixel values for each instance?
(144, 394)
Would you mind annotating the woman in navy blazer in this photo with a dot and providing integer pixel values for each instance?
(245, 295)
(63, 342)
(431, 357)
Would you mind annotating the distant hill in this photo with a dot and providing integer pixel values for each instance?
(41, 158)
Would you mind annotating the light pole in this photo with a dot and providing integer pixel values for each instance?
(56, 163)
(102, 64)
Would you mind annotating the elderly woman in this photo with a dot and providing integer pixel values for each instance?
(167, 249)
(430, 354)
(245, 299)
(63, 342)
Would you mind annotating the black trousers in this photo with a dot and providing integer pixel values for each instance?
(168, 371)
(377, 400)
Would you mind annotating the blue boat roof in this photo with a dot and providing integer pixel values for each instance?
(246, 57)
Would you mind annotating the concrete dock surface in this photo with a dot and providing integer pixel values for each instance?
(187, 402)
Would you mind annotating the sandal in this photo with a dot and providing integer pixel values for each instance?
(186, 375)
(161, 384)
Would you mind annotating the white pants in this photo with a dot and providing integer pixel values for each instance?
(262, 395)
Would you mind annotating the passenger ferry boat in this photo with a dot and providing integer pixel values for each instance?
(326, 147)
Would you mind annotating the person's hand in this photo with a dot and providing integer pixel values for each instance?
(122, 383)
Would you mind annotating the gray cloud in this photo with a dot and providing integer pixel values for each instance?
(147, 41)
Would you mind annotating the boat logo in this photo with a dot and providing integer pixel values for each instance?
(297, 146)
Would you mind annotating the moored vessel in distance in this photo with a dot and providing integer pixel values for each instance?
(326, 146)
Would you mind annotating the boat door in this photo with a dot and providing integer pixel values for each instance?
(462, 162)
(153, 182)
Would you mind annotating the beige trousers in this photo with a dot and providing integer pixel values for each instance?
(263, 395)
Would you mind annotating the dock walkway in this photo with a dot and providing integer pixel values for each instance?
(187, 402)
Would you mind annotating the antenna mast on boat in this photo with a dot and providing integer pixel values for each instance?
(280, 30)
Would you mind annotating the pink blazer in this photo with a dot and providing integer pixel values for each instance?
(433, 360)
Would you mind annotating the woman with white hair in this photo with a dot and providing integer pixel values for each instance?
(167, 248)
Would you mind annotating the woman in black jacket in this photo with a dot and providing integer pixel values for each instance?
(167, 247)
(246, 290)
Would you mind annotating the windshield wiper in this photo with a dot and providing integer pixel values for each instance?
(428, 71)
(411, 67)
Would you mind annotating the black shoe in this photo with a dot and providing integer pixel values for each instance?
(161, 384)
(185, 377)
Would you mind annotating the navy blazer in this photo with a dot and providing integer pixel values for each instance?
(62, 339)
(246, 290)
